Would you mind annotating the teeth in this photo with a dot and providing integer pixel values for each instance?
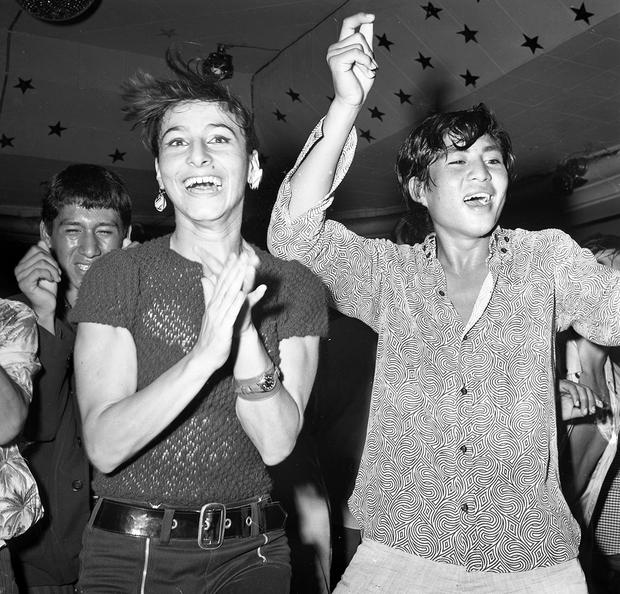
(210, 180)
(482, 198)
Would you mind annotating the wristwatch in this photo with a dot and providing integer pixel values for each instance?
(265, 382)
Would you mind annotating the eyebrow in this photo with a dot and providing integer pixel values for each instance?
(69, 222)
(209, 126)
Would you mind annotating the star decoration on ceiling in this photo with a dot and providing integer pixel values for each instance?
(581, 14)
(293, 95)
(469, 78)
(425, 61)
(376, 113)
(56, 129)
(431, 11)
(168, 32)
(532, 43)
(6, 141)
(468, 34)
(367, 135)
(281, 116)
(384, 42)
(404, 98)
(23, 85)
(117, 156)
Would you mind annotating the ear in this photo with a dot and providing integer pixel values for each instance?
(158, 174)
(45, 236)
(255, 173)
(417, 191)
(127, 238)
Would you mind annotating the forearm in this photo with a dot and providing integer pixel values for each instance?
(314, 177)
(13, 407)
(272, 424)
(117, 431)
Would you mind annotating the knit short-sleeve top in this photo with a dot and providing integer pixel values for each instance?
(154, 292)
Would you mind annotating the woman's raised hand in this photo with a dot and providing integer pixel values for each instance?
(229, 299)
(351, 60)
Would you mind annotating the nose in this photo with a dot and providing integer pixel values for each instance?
(479, 170)
(199, 154)
(89, 245)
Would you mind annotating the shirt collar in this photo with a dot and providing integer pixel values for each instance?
(499, 243)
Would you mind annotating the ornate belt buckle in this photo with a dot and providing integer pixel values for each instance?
(212, 525)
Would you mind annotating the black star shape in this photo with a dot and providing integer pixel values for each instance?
(469, 34)
(532, 43)
(293, 95)
(24, 85)
(384, 42)
(404, 98)
(581, 14)
(6, 141)
(56, 129)
(375, 113)
(281, 116)
(431, 11)
(117, 156)
(425, 61)
(470, 79)
(168, 32)
(367, 135)
(330, 98)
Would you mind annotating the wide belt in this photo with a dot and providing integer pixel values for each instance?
(210, 525)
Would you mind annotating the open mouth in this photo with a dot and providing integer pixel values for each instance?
(480, 199)
(210, 182)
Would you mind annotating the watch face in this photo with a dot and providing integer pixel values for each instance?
(268, 382)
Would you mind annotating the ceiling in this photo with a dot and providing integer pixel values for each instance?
(550, 69)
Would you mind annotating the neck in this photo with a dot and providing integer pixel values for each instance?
(460, 255)
(220, 244)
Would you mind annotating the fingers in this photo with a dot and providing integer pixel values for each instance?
(38, 263)
(351, 24)
(584, 400)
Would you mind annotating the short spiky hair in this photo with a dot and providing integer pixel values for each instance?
(147, 99)
(89, 186)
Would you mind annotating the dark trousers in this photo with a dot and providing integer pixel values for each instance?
(113, 563)
(7, 579)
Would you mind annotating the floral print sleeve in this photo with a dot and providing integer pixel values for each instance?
(20, 504)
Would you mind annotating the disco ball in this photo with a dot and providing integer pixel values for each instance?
(56, 10)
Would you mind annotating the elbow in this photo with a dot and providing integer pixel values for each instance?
(101, 457)
(12, 425)
(274, 457)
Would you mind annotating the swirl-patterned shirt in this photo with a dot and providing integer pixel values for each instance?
(460, 463)
(20, 505)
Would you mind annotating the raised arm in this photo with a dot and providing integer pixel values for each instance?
(353, 69)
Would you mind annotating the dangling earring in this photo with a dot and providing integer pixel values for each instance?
(160, 200)
(255, 181)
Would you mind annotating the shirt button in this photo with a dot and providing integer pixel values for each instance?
(463, 390)
(465, 337)
(507, 238)
(503, 250)
(465, 507)
(442, 293)
(76, 485)
(463, 448)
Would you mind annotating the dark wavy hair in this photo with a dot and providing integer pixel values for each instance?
(88, 186)
(147, 98)
(426, 143)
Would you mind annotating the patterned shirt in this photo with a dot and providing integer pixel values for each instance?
(20, 506)
(460, 463)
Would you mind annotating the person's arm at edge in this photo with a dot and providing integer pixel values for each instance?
(353, 71)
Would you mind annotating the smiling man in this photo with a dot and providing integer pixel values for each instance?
(86, 213)
(458, 487)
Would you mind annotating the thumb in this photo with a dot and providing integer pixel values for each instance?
(256, 295)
